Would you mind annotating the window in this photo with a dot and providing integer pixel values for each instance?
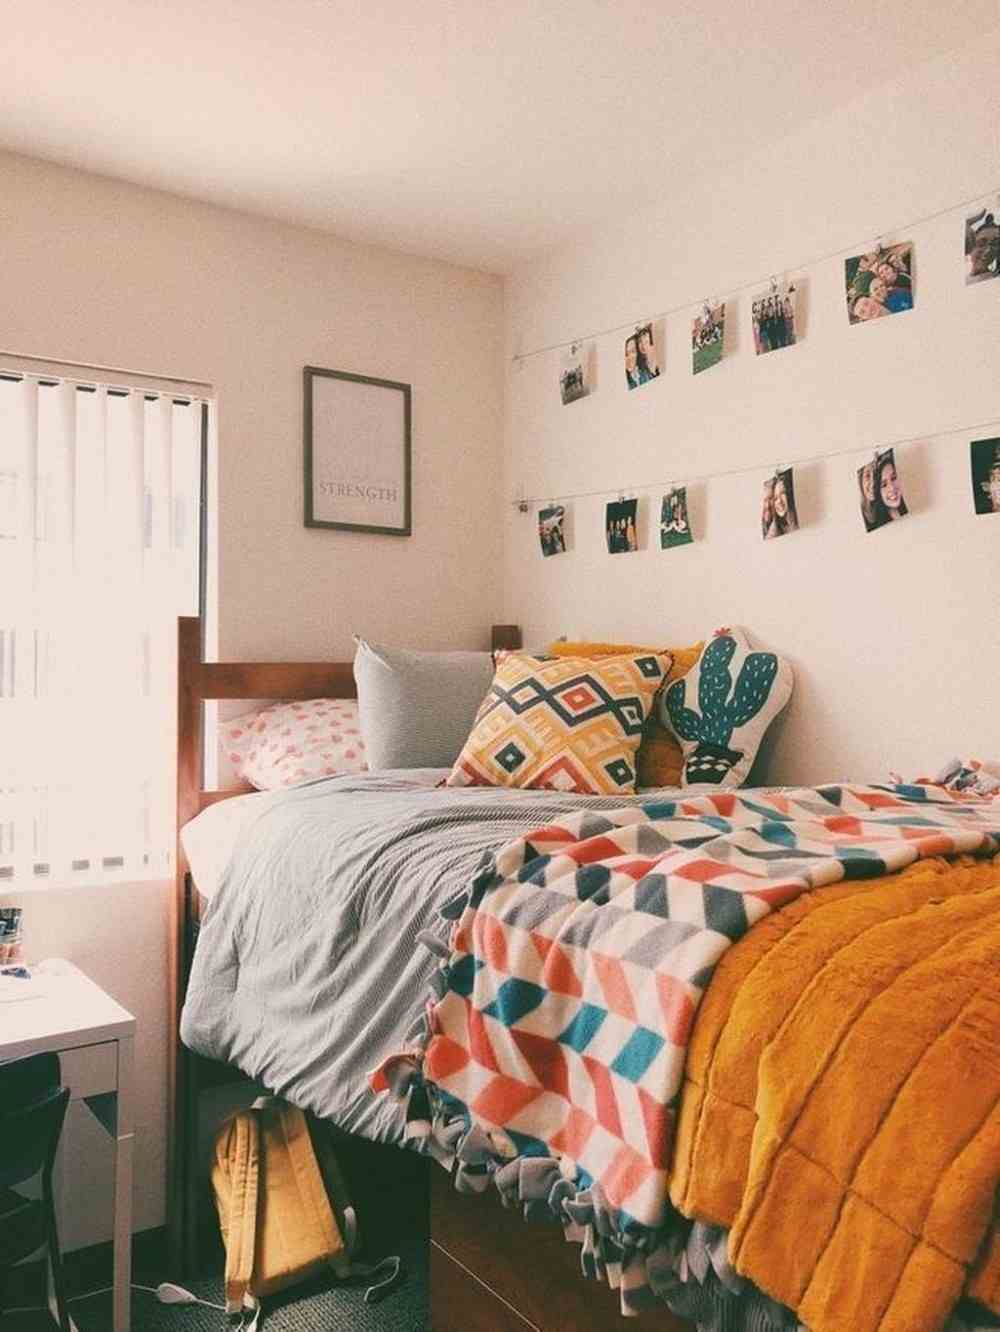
(100, 494)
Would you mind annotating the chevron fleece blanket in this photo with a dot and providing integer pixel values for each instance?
(553, 1058)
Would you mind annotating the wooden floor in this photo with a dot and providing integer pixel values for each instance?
(526, 1275)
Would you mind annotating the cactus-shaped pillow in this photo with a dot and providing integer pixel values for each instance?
(722, 708)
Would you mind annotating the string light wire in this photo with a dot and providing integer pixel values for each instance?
(757, 282)
(525, 502)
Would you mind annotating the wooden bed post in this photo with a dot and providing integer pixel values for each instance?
(198, 681)
(189, 764)
(506, 638)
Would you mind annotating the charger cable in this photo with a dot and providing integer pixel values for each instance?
(169, 1293)
(166, 1292)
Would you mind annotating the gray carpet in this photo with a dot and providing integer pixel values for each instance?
(318, 1306)
(389, 1190)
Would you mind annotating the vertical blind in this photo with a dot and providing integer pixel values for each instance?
(100, 491)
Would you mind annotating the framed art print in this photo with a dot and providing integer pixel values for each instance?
(357, 452)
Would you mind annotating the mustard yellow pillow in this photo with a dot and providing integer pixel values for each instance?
(660, 760)
(563, 723)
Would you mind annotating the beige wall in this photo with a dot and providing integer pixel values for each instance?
(102, 272)
(95, 270)
(895, 636)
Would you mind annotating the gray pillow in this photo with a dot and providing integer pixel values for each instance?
(417, 708)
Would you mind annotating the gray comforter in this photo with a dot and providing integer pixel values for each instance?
(308, 971)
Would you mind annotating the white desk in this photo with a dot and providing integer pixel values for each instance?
(95, 1039)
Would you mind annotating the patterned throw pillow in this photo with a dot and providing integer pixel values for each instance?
(291, 742)
(721, 709)
(562, 724)
(660, 756)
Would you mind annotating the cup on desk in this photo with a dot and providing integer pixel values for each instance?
(10, 934)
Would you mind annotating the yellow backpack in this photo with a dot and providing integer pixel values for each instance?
(284, 1211)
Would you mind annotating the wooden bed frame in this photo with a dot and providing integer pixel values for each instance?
(199, 682)
(488, 1273)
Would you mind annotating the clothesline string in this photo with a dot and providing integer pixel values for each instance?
(757, 282)
(525, 502)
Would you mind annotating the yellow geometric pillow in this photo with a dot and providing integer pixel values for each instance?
(567, 724)
(661, 760)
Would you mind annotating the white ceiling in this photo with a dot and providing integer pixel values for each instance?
(480, 132)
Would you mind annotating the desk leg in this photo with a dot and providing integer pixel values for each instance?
(59, 1194)
(124, 1144)
(50, 1296)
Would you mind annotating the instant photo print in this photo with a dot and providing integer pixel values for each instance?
(982, 247)
(574, 381)
(773, 314)
(778, 515)
(880, 491)
(620, 526)
(986, 475)
(707, 337)
(551, 536)
(642, 356)
(879, 283)
(675, 524)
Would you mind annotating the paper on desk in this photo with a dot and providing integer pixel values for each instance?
(15, 989)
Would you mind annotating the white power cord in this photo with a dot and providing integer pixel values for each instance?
(169, 1293)
(166, 1292)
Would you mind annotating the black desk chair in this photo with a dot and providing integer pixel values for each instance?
(32, 1110)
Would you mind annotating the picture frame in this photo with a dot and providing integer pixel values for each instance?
(357, 452)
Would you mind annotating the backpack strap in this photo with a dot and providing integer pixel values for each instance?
(385, 1274)
(241, 1163)
(310, 1185)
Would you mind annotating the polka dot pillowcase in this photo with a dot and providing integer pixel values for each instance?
(294, 742)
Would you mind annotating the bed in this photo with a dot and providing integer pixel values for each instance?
(532, 1257)
(399, 845)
